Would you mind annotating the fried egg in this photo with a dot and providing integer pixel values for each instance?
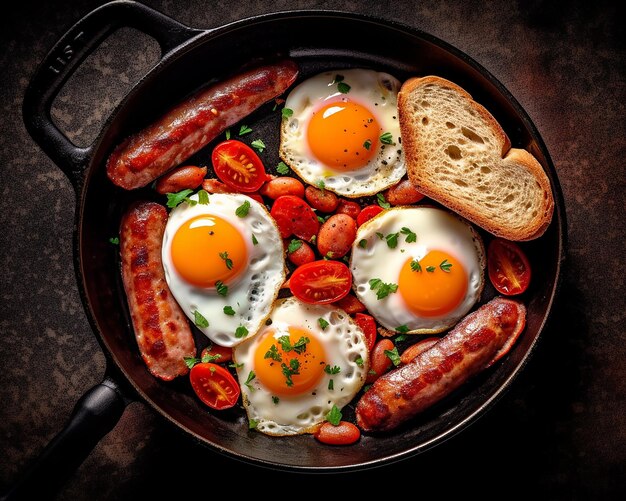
(220, 264)
(309, 358)
(418, 270)
(343, 132)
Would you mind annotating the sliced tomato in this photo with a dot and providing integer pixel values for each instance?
(295, 217)
(321, 282)
(214, 385)
(368, 326)
(508, 267)
(237, 165)
(368, 213)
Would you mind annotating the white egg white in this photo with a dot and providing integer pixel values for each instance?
(435, 229)
(252, 294)
(345, 346)
(374, 90)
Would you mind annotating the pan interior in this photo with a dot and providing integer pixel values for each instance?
(318, 42)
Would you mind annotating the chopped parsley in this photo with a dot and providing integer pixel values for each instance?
(286, 112)
(343, 87)
(430, 269)
(282, 168)
(294, 245)
(321, 185)
(227, 260)
(222, 289)
(290, 370)
(331, 384)
(334, 416)
(258, 144)
(254, 240)
(392, 240)
(175, 199)
(273, 354)
(359, 361)
(445, 266)
(362, 243)
(382, 289)
(323, 323)
(228, 310)
(114, 240)
(203, 197)
(367, 144)
(190, 361)
(393, 355)
(251, 376)
(415, 265)
(335, 369)
(402, 329)
(199, 320)
(382, 202)
(386, 138)
(252, 424)
(401, 337)
(410, 236)
(299, 347)
(244, 129)
(275, 400)
(240, 332)
(242, 210)
(227, 133)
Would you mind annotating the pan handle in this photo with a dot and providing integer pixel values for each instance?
(94, 415)
(67, 55)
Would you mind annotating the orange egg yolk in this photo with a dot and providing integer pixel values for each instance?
(434, 285)
(207, 249)
(289, 365)
(343, 135)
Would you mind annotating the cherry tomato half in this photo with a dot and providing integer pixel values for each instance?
(321, 282)
(508, 267)
(368, 213)
(214, 385)
(368, 326)
(237, 165)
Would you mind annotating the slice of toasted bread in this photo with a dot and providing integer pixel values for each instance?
(459, 155)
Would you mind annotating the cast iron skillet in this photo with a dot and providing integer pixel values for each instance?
(191, 58)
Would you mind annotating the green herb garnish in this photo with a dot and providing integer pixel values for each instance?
(199, 320)
(242, 210)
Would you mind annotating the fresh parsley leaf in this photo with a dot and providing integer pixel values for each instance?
(343, 87)
(190, 361)
(240, 332)
(244, 129)
(382, 289)
(393, 355)
(321, 185)
(228, 310)
(386, 138)
(251, 376)
(430, 269)
(415, 265)
(382, 202)
(331, 384)
(114, 240)
(299, 346)
(199, 319)
(290, 370)
(402, 329)
(410, 236)
(273, 353)
(258, 144)
(286, 112)
(359, 361)
(227, 260)
(323, 323)
(275, 400)
(445, 266)
(252, 424)
(392, 240)
(338, 78)
(334, 416)
(254, 240)
(207, 357)
(335, 369)
(400, 338)
(243, 209)
(203, 197)
(294, 245)
(362, 243)
(227, 133)
(282, 168)
(380, 235)
(175, 199)
(222, 289)
(367, 144)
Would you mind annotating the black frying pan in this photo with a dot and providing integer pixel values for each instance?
(191, 58)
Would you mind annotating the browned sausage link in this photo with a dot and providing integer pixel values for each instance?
(161, 328)
(194, 123)
(466, 350)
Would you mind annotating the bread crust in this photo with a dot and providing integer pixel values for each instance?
(518, 174)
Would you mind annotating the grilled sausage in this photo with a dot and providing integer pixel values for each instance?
(466, 350)
(161, 328)
(194, 123)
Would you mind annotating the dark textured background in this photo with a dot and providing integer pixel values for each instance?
(558, 433)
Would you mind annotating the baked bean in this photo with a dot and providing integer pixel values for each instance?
(403, 193)
(280, 186)
(344, 433)
(379, 361)
(322, 200)
(348, 207)
(336, 236)
(188, 177)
